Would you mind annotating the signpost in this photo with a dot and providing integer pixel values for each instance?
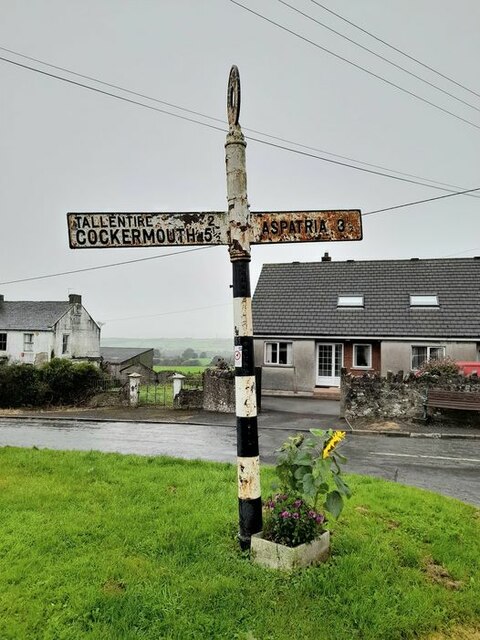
(238, 229)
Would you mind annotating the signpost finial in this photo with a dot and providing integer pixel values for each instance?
(233, 96)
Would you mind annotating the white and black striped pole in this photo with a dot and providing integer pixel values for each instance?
(249, 498)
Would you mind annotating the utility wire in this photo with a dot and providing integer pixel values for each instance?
(223, 130)
(169, 313)
(167, 255)
(111, 95)
(103, 266)
(203, 115)
(403, 53)
(412, 204)
(377, 55)
(354, 64)
(344, 164)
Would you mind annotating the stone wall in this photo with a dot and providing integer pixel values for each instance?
(219, 390)
(188, 399)
(402, 397)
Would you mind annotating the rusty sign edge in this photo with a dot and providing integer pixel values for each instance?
(310, 234)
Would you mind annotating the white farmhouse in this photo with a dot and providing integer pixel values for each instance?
(35, 332)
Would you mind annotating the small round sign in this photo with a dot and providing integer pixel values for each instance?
(238, 355)
(233, 96)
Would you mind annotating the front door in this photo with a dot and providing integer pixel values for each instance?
(329, 364)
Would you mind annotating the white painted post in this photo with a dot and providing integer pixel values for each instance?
(177, 384)
(134, 385)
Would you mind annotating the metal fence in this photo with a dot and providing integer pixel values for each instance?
(161, 393)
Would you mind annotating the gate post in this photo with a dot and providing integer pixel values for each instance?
(134, 388)
(178, 379)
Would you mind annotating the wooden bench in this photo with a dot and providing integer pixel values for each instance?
(458, 400)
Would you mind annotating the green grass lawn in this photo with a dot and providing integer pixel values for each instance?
(120, 547)
(181, 369)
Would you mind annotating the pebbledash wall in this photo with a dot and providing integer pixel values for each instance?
(399, 396)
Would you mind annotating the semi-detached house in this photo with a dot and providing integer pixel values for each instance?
(312, 319)
(34, 332)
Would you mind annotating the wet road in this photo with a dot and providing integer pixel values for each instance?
(450, 467)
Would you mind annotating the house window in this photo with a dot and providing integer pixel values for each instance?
(362, 356)
(28, 341)
(423, 300)
(423, 354)
(65, 343)
(278, 353)
(3, 341)
(350, 301)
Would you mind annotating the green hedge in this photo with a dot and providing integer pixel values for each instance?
(59, 381)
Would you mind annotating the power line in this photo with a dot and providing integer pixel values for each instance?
(459, 253)
(167, 255)
(354, 64)
(411, 204)
(344, 164)
(377, 55)
(403, 53)
(223, 130)
(103, 266)
(208, 117)
(111, 95)
(169, 313)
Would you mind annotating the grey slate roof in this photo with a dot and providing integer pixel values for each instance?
(31, 315)
(117, 355)
(301, 299)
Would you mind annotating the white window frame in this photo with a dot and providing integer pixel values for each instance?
(370, 352)
(28, 339)
(65, 343)
(424, 300)
(350, 301)
(289, 348)
(3, 333)
(428, 347)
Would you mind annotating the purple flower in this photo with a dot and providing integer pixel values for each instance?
(312, 514)
(296, 515)
(285, 514)
(297, 503)
(319, 519)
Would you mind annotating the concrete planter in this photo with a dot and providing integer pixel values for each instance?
(278, 556)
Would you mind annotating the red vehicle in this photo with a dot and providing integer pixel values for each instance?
(467, 368)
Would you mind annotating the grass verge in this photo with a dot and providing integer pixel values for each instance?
(116, 547)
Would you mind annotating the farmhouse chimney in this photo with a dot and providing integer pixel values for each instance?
(74, 298)
(326, 257)
(2, 297)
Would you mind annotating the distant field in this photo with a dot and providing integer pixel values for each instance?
(180, 369)
(176, 346)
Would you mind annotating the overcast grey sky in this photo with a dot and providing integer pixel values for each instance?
(64, 148)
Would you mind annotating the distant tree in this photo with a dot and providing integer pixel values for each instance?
(203, 354)
(189, 354)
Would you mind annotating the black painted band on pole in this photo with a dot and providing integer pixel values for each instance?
(249, 500)
(248, 460)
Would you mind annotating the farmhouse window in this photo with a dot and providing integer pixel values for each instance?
(362, 356)
(3, 341)
(421, 354)
(28, 341)
(65, 342)
(278, 353)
